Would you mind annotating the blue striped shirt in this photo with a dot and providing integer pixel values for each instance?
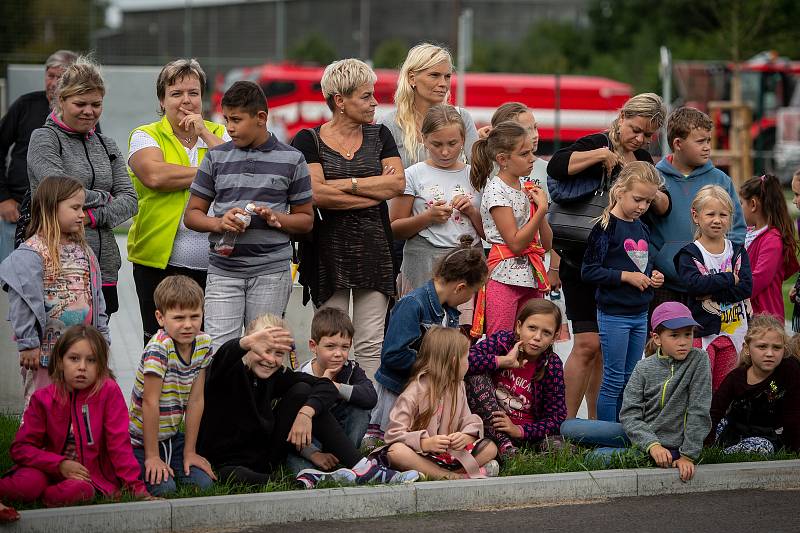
(272, 175)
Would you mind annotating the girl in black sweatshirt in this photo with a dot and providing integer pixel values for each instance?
(255, 409)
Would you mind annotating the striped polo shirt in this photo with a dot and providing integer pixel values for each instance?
(161, 359)
(272, 175)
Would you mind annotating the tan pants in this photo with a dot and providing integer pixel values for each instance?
(369, 318)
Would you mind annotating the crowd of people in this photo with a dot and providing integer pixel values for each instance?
(453, 369)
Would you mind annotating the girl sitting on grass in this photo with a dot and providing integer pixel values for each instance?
(73, 443)
(430, 427)
(757, 407)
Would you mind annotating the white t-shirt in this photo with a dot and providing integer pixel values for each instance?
(539, 176)
(733, 316)
(428, 184)
(190, 248)
(516, 270)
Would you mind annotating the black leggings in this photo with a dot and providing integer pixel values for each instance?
(325, 429)
(147, 279)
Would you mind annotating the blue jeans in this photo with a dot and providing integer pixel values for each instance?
(622, 339)
(7, 232)
(608, 436)
(171, 452)
(353, 420)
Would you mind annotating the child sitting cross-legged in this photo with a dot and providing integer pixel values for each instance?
(257, 410)
(330, 343)
(169, 390)
(430, 427)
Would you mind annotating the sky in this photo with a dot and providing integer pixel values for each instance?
(114, 16)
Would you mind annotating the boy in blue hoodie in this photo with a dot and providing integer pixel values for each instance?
(685, 172)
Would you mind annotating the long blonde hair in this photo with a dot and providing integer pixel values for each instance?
(503, 138)
(44, 214)
(631, 174)
(647, 105)
(712, 192)
(439, 358)
(421, 57)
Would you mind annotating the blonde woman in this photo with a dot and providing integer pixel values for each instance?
(355, 168)
(68, 145)
(424, 81)
(593, 156)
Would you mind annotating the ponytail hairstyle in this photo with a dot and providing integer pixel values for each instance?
(464, 263)
(441, 116)
(504, 138)
(421, 57)
(651, 347)
(439, 358)
(769, 193)
(73, 334)
(539, 306)
(712, 192)
(508, 112)
(647, 105)
(759, 326)
(44, 214)
(631, 174)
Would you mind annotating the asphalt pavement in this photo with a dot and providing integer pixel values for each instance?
(745, 511)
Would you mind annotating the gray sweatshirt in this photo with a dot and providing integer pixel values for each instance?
(23, 274)
(667, 402)
(110, 196)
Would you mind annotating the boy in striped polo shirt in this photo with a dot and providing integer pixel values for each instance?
(169, 390)
(253, 168)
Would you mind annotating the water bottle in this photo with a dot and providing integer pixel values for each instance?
(563, 333)
(225, 245)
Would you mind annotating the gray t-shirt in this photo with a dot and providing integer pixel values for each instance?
(390, 121)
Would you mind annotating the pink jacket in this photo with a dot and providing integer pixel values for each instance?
(100, 426)
(413, 401)
(769, 272)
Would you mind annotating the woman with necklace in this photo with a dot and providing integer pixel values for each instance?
(162, 159)
(355, 167)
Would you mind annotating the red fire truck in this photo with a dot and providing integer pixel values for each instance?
(566, 107)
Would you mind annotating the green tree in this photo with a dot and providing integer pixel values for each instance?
(313, 49)
(390, 54)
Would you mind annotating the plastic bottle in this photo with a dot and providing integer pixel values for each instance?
(225, 245)
(562, 334)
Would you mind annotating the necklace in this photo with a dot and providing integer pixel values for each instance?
(348, 151)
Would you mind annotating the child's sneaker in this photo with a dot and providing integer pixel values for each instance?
(309, 478)
(508, 451)
(373, 472)
(491, 469)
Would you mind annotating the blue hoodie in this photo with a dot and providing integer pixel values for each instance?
(671, 232)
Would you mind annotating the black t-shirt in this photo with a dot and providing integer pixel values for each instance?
(26, 114)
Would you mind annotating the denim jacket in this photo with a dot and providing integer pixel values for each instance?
(412, 316)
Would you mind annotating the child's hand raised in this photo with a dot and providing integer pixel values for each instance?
(439, 212)
(656, 279)
(332, 372)
(435, 444)
(537, 197)
(29, 359)
(73, 470)
(511, 359)
(637, 279)
(269, 216)
(268, 340)
(685, 468)
(230, 222)
(661, 455)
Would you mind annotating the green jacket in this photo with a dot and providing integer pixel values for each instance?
(153, 231)
(667, 402)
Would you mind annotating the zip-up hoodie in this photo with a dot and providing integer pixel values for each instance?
(100, 428)
(355, 387)
(667, 402)
(94, 160)
(720, 286)
(674, 230)
(22, 274)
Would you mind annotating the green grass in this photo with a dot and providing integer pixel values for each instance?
(526, 462)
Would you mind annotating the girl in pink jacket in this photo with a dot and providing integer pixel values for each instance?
(431, 429)
(73, 443)
(770, 242)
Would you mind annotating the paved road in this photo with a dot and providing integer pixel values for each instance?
(748, 511)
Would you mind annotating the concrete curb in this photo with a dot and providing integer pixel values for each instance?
(248, 510)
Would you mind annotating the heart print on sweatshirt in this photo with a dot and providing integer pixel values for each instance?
(637, 251)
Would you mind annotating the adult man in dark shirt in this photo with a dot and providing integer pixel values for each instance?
(26, 114)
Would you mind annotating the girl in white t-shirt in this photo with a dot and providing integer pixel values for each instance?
(719, 281)
(439, 204)
(515, 225)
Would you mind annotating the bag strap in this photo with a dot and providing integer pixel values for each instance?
(315, 135)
